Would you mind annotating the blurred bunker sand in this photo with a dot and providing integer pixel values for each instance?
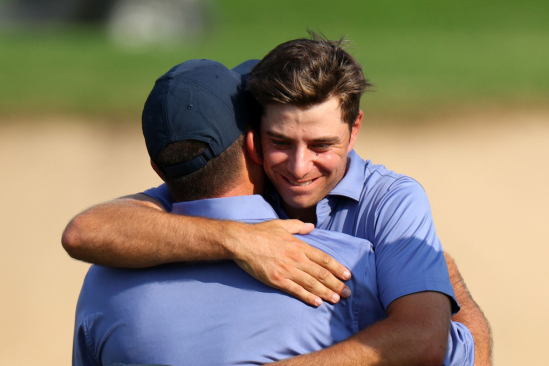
(486, 176)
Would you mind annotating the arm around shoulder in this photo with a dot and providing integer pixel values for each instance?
(135, 232)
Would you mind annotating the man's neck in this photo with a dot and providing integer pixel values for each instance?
(240, 190)
(247, 186)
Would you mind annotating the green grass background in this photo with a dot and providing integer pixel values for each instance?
(422, 55)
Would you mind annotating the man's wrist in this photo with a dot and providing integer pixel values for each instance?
(228, 239)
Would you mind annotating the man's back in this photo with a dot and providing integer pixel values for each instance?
(213, 313)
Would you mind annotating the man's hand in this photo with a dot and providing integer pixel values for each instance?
(269, 252)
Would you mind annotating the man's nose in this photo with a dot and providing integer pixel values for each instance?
(299, 163)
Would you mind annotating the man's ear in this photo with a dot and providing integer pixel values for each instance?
(253, 145)
(157, 170)
(355, 130)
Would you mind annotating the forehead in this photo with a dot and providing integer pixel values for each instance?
(324, 116)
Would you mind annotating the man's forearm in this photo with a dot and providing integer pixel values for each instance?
(369, 347)
(136, 233)
(133, 234)
(471, 316)
(414, 334)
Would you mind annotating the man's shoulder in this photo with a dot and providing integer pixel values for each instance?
(105, 280)
(369, 198)
(379, 175)
(162, 195)
(346, 249)
(377, 180)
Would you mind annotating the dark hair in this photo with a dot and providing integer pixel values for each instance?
(306, 72)
(213, 180)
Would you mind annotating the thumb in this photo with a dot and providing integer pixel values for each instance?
(297, 226)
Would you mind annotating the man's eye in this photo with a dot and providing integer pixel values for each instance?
(321, 147)
(279, 143)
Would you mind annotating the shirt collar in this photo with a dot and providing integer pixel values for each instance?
(353, 180)
(236, 208)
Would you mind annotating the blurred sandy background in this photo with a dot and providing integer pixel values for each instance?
(461, 104)
(485, 173)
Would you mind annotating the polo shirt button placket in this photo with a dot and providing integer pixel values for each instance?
(322, 212)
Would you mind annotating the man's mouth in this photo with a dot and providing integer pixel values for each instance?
(300, 184)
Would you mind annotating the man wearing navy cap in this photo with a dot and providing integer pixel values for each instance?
(313, 181)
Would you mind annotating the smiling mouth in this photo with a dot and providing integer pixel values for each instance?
(300, 184)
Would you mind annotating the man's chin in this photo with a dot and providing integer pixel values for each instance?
(299, 205)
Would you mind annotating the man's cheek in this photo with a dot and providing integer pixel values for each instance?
(273, 158)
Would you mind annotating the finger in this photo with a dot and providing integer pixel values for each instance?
(330, 284)
(296, 226)
(315, 287)
(306, 228)
(297, 291)
(326, 261)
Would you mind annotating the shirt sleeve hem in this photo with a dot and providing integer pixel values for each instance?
(390, 294)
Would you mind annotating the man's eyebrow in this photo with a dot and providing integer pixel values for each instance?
(327, 140)
(323, 140)
(276, 135)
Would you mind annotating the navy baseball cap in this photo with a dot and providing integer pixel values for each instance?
(198, 100)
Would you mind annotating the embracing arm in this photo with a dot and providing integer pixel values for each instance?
(415, 332)
(471, 316)
(135, 232)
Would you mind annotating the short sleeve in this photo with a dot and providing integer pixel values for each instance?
(461, 346)
(162, 195)
(409, 256)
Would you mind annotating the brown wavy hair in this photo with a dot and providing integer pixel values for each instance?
(306, 72)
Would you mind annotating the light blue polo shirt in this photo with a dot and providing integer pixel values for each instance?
(214, 313)
(392, 212)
